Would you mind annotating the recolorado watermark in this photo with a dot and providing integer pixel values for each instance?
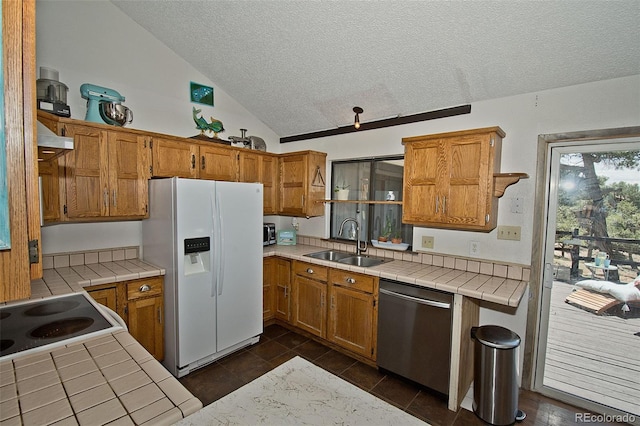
(604, 418)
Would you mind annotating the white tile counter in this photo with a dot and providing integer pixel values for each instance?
(109, 379)
(483, 280)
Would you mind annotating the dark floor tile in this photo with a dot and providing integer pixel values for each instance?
(291, 340)
(311, 350)
(334, 362)
(468, 418)
(268, 349)
(363, 376)
(396, 391)
(273, 331)
(432, 409)
(245, 364)
(279, 360)
(211, 383)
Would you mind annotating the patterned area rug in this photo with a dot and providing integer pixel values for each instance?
(300, 393)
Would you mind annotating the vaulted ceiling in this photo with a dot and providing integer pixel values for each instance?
(301, 66)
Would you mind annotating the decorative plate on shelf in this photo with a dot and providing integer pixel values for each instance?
(389, 245)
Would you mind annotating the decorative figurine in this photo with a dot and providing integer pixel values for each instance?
(215, 126)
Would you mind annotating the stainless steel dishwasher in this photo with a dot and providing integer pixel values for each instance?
(414, 333)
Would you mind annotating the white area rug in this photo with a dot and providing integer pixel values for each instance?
(299, 393)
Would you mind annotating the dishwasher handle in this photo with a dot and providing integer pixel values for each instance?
(417, 299)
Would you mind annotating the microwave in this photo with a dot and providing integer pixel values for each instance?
(268, 234)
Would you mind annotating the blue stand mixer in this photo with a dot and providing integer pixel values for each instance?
(105, 105)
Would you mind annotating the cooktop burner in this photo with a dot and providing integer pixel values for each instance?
(49, 321)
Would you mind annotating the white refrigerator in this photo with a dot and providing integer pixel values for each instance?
(207, 235)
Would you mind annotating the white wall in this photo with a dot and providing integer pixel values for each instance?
(598, 105)
(94, 42)
(104, 47)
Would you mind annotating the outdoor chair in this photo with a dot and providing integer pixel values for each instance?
(600, 296)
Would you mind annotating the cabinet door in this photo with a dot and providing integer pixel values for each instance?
(283, 290)
(269, 179)
(218, 163)
(421, 176)
(350, 322)
(292, 185)
(50, 178)
(310, 311)
(249, 167)
(145, 319)
(173, 158)
(268, 287)
(105, 296)
(467, 184)
(86, 180)
(128, 171)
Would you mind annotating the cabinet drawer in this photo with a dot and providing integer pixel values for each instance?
(144, 288)
(309, 270)
(352, 280)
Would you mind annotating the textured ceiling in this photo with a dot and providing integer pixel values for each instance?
(301, 66)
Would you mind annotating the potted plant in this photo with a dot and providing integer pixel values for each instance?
(396, 237)
(342, 191)
(386, 231)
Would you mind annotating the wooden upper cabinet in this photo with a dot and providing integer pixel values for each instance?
(218, 163)
(106, 173)
(52, 182)
(249, 166)
(269, 179)
(302, 183)
(449, 179)
(173, 157)
(128, 174)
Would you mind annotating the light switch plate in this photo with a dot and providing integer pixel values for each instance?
(509, 233)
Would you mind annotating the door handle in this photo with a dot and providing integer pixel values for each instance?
(115, 198)
(143, 288)
(351, 280)
(193, 161)
(202, 161)
(309, 271)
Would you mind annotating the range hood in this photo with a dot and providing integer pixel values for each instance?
(51, 145)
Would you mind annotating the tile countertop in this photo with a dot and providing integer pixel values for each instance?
(107, 379)
(496, 283)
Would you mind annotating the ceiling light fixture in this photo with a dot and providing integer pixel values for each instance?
(358, 111)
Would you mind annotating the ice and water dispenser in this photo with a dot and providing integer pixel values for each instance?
(196, 255)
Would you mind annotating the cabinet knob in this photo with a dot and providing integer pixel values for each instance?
(144, 288)
(351, 280)
(309, 271)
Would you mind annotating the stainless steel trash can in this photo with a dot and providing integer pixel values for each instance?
(495, 381)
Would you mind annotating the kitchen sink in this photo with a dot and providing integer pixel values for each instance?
(332, 255)
(365, 261)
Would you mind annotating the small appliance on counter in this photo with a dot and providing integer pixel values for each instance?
(104, 105)
(268, 234)
(287, 237)
(51, 93)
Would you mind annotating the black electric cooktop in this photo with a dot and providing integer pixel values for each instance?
(42, 322)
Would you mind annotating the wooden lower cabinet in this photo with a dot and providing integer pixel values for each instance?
(106, 297)
(268, 288)
(282, 290)
(309, 298)
(140, 304)
(353, 315)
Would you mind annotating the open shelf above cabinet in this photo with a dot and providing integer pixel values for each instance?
(504, 180)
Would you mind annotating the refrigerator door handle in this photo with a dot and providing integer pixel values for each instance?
(219, 228)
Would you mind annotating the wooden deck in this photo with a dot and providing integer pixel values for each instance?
(595, 357)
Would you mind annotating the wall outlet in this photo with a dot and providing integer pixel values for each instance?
(427, 242)
(474, 248)
(509, 233)
(516, 205)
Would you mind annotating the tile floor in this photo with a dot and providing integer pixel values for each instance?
(278, 345)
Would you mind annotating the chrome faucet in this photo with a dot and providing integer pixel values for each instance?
(359, 248)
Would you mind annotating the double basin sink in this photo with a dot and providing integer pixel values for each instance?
(348, 258)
